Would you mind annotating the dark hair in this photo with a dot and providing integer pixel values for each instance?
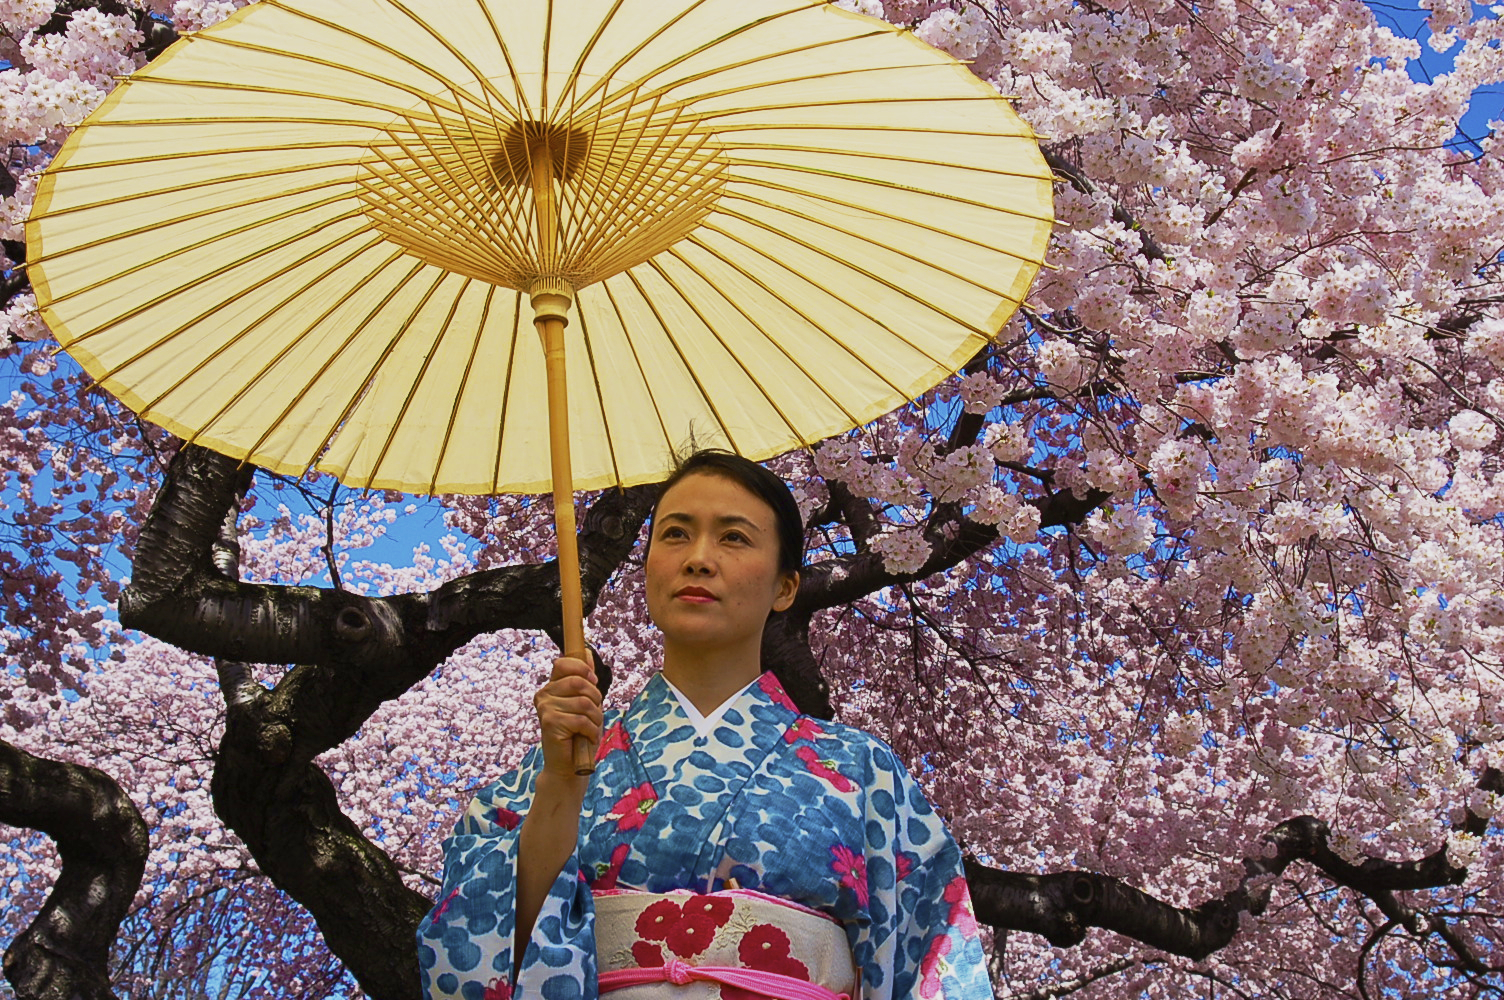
(756, 480)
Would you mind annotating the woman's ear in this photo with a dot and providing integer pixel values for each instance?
(788, 588)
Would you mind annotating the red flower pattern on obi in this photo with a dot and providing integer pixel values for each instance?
(852, 868)
(823, 768)
(766, 948)
(647, 955)
(933, 967)
(690, 936)
(631, 810)
(804, 728)
(686, 928)
(700, 917)
(606, 875)
(499, 989)
(654, 923)
(614, 738)
(506, 819)
(959, 898)
(774, 690)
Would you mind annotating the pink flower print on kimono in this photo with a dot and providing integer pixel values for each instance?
(443, 907)
(499, 989)
(614, 738)
(961, 916)
(852, 868)
(804, 728)
(631, 810)
(934, 967)
(607, 874)
(774, 690)
(824, 769)
(904, 864)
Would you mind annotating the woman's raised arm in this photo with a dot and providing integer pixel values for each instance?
(568, 705)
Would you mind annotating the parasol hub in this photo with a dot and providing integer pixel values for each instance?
(586, 194)
(567, 147)
(551, 298)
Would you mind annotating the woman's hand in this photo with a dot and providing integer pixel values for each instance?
(568, 705)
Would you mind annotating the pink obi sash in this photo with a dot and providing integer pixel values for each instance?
(730, 945)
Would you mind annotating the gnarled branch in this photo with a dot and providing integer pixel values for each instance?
(64, 953)
(269, 791)
(178, 594)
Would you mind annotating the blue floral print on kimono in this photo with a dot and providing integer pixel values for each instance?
(810, 811)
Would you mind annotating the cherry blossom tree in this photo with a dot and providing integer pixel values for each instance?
(1185, 599)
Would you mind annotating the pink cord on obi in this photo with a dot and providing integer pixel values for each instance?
(769, 984)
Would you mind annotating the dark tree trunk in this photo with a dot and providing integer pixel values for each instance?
(64, 953)
(268, 790)
(353, 653)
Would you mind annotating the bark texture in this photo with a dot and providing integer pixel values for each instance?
(64, 953)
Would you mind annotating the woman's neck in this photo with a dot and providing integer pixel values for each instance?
(708, 680)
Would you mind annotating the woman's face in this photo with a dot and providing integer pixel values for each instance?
(712, 568)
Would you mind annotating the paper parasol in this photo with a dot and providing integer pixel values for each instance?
(316, 236)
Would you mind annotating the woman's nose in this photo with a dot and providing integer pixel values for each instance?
(697, 560)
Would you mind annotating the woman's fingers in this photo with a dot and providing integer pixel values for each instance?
(568, 705)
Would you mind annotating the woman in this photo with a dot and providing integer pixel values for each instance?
(726, 846)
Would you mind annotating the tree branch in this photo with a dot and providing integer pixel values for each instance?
(268, 790)
(177, 594)
(844, 579)
(64, 953)
(1062, 907)
(1080, 182)
(786, 652)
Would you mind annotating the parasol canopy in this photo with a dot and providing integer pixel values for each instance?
(307, 236)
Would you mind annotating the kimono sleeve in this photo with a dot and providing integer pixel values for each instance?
(921, 941)
(465, 945)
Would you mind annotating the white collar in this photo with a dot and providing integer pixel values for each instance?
(704, 723)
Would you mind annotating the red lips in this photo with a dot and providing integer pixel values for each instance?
(696, 594)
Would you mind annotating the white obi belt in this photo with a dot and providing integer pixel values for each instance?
(736, 944)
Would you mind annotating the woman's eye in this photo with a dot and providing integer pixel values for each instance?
(736, 536)
(671, 532)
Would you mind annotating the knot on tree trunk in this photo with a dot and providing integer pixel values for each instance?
(274, 741)
(352, 625)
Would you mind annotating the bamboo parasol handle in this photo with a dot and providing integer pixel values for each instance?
(551, 298)
(572, 604)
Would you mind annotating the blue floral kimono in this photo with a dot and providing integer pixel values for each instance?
(810, 811)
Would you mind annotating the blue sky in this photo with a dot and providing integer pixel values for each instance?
(1408, 18)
